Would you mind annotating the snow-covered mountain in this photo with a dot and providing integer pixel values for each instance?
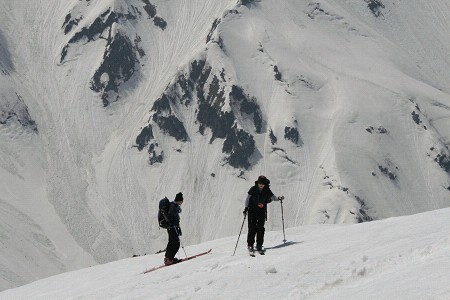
(108, 106)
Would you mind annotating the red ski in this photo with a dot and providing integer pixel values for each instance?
(183, 260)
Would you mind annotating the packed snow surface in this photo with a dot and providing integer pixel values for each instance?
(396, 258)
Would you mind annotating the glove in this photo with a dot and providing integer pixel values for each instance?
(178, 230)
(245, 211)
(281, 198)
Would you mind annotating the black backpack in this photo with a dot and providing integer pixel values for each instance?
(164, 205)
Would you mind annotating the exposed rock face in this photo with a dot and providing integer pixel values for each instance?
(122, 51)
(12, 105)
(216, 105)
(14, 109)
(376, 7)
(293, 135)
(118, 66)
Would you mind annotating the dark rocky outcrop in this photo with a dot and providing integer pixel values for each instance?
(240, 145)
(171, 126)
(210, 114)
(376, 7)
(362, 210)
(166, 120)
(212, 30)
(293, 135)
(149, 8)
(248, 105)
(416, 118)
(160, 22)
(97, 29)
(387, 172)
(277, 75)
(203, 92)
(273, 138)
(444, 162)
(316, 10)
(16, 110)
(120, 59)
(144, 137)
(155, 155)
(246, 2)
(69, 23)
(363, 215)
(379, 130)
(119, 64)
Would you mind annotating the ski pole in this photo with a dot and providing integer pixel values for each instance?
(242, 226)
(282, 220)
(176, 230)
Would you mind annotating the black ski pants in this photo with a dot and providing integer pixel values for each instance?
(174, 243)
(256, 220)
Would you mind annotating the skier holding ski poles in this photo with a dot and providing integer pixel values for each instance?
(256, 202)
(174, 231)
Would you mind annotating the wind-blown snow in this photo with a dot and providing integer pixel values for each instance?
(397, 258)
(352, 122)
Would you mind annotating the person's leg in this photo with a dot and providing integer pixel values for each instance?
(251, 229)
(173, 245)
(261, 219)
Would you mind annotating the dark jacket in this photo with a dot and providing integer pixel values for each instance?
(258, 199)
(173, 214)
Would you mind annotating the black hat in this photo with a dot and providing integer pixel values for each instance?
(179, 197)
(263, 180)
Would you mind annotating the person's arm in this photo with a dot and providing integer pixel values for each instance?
(247, 201)
(275, 198)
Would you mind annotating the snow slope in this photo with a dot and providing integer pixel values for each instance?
(396, 258)
(108, 106)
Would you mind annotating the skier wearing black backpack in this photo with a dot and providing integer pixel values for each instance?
(172, 217)
(256, 202)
